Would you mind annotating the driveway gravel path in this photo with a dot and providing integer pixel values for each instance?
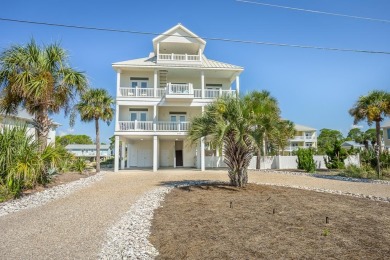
(75, 226)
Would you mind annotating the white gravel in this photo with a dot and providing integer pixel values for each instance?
(128, 238)
(43, 197)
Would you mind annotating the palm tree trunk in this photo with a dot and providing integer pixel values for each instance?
(378, 147)
(97, 145)
(258, 159)
(42, 127)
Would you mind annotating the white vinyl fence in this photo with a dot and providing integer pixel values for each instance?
(279, 162)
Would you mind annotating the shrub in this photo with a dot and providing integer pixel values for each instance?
(306, 160)
(335, 156)
(79, 165)
(354, 171)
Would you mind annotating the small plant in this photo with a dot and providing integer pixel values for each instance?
(79, 165)
(306, 160)
(325, 232)
(335, 156)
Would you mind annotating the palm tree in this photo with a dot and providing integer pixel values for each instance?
(95, 105)
(265, 113)
(40, 80)
(280, 135)
(373, 107)
(226, 123)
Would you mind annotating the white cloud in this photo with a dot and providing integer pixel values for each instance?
(356, 126)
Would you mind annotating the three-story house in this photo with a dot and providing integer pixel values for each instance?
(158, 95)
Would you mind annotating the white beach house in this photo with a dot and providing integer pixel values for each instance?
(305, 137)
(158, 95)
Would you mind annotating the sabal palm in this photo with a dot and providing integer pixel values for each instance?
(226, 123)
(40, 80)
(282, 132)
(95, 105)
(373, 107)
(265, 113)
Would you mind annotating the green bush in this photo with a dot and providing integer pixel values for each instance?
(79, 165)
(306, 160)
(22, 164)
(354, 171)
(335, 156)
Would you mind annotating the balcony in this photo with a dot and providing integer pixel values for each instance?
(161, 126)
(179, 58)
(176, 91)
(303, 138)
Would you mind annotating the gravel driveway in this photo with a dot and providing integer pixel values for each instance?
(74, 227)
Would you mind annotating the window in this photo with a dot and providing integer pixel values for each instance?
(308, 144)
(388, 133)
(137, 82)
(138, 114)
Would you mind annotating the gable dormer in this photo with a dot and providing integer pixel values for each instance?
(178, 45)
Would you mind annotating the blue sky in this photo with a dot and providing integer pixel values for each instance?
(314, 88)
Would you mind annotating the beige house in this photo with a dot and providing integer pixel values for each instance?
(159, 94)
(386, 134)
(23, 117)
(305, 137)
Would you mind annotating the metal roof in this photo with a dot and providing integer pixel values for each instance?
(386, 124)
(304, 128)
(86, 146)
(151, 62)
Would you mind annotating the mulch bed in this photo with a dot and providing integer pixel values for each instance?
(266, 222)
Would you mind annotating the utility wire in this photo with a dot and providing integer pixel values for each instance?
(194, 37)
(315, 11)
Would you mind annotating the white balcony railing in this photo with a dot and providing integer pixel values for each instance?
(135, 125)
(138, 92)
(180, 89)
(178, 57)
(173, 126)
(175, 89)
(148, 126)
(304, 138)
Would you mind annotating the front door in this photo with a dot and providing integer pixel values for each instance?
(179, 158)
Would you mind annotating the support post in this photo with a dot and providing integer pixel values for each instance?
(118, 83)
(155, 83)
(116, 154)
(154, 118)
(202, 83)
(155, 153)
(128, 155)
(123, 155)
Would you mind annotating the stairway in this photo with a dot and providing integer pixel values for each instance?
(163, 78)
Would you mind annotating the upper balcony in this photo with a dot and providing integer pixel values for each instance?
(175, 91)
(174, 58)
(303, 138)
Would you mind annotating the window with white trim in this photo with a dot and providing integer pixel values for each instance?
(138, 82)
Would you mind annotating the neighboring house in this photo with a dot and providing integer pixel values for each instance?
(23, 117)
(305, 137)
(88, 151)
(158, 95)
(386, 135)
(352, 144)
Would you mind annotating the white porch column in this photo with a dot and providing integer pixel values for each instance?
(155, 83)
(155, 118)
(155, 153)
(158, 51)
(200, 55)
(123, 155)
(238, 85)
(202, 157)
(128, 155)
(202, 83)
(118, 83)
(116, 154)
(116, 117)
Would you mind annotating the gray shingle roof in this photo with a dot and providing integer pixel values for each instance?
(304, 128)
(86, 146)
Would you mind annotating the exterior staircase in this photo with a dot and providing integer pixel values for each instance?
(163, 78)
